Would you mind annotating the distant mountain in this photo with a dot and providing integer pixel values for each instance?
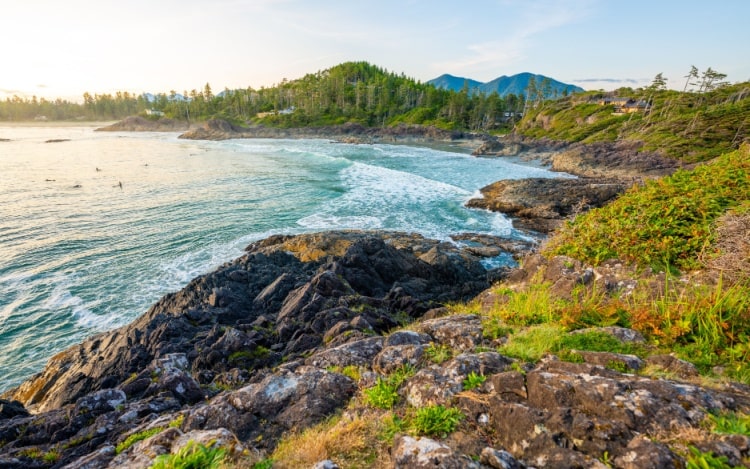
(504, 85)
(449, 82)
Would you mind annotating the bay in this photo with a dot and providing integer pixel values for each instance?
(97, 226)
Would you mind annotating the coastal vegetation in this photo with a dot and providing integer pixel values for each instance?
(689, 125)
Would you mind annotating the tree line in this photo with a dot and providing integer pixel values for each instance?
(351, 92)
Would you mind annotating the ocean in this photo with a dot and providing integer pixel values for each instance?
(97, 226)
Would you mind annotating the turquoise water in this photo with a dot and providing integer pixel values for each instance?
(80, 254)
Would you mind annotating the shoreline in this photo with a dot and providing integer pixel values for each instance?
(603, 170)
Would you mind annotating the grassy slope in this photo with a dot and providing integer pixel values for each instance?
(688, 126)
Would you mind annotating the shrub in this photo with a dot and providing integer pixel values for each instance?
(473, 381)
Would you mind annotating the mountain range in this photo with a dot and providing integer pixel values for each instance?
(504, 85)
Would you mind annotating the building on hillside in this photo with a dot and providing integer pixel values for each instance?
(154, 112)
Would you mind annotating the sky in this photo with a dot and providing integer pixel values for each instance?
(61, 49)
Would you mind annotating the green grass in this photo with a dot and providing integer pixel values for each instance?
(730, 424)
(531, 344)
(699, 460)
(436, 420)
(136, 437)
(597, 341)
(384, 395)
(687, 126)
(665, 224)
(192, 456)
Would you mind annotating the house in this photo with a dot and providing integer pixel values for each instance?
(153, 112)
(634, 106)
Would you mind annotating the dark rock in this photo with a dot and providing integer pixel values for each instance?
(396, 356)
(291, 279)
(642, 453)
(100, 402)
(541, 204)
(10, 409)
(610, 359)
(462, 332)
(499, 459)
(671, 364)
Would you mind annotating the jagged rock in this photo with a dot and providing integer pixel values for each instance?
(384, 269)
(423, 453)
(100, 402)
(95, 460)
(462, 332)
(499, 459)
(437, 384)
(642, 453)
(541, 204)
(610, 359)
(10, 409)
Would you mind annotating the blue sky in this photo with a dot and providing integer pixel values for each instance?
(56, 48)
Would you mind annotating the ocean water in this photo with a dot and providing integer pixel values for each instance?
(95, 229)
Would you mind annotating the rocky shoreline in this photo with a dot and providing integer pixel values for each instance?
(257, 350)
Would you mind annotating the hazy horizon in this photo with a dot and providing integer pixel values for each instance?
(62, 50)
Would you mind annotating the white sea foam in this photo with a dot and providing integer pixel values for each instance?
(61, 300)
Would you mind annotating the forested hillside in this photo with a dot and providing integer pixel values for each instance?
(351, 92)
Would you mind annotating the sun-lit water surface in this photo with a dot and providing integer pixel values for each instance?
(95, 229)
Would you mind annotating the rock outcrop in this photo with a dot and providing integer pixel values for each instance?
(217, 129)
(621, 159)
(141, 124)
(257, 349)
(541, 204)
